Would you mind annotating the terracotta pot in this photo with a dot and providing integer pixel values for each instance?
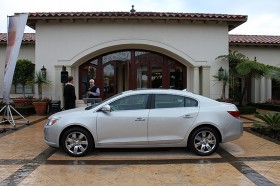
(40, 107)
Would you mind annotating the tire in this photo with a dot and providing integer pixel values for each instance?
(204, 141)
(77, 142)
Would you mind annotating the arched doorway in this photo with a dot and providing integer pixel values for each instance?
(119, 71)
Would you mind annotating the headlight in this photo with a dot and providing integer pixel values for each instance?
(52, 121)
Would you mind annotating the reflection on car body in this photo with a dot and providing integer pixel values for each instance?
(146, 118)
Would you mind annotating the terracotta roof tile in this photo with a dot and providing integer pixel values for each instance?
(137, 14)
(27, 37)
(232, 20)
(254, 40)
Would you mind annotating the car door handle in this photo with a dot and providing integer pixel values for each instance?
(140, 119)
(187, 116)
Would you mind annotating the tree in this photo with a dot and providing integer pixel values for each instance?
(24, 73)
(274, 74)
(234, 57)
(241, 67)
(248, 70)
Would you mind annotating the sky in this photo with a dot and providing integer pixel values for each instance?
(263, 15)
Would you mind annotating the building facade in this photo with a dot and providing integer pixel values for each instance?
(126, 50)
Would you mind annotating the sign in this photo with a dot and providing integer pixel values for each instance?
(16, 25)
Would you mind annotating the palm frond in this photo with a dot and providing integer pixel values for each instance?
(272, 119)
(274, 74)
(254, 68)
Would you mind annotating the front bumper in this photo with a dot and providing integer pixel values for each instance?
(51, 137)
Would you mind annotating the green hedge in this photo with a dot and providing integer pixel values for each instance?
(247, 109)
(267, 106)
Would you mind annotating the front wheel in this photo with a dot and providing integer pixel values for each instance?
(204, 141)
(77, 142)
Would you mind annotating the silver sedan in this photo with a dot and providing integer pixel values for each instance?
(145, 118)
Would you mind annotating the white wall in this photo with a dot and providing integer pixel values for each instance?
(266, 55)
(71, 44)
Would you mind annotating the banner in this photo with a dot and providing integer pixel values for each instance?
(16, 25)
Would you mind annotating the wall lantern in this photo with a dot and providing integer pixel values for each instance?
(44, 72)
(64, 75)
(221, 73)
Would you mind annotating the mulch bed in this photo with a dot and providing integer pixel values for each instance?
(268, 133)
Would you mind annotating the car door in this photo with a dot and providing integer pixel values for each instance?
(171, 118)
(126, 124)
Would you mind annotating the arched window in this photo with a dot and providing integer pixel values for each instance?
(119, 71)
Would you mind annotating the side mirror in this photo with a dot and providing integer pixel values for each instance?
(106, 108)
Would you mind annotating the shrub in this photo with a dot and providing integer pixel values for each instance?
(247, 109)
(24, 72)
(27, 110)
(44, 99)
(273, 101)
(23, 101)
(268, 106)
(271, 119)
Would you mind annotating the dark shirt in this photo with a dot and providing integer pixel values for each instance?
(69, 96)
(93, 89)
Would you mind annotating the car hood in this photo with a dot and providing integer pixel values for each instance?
(68, 112)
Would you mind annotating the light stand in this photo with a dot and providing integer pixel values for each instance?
(8, 116)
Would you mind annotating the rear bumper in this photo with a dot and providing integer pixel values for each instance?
(234, 131)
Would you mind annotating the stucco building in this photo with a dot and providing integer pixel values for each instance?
(129, 50)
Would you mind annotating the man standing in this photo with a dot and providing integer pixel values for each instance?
(69, 94)
(93, 91)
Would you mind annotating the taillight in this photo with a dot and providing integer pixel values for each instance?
(235, 114)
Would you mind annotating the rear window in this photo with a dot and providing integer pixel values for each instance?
(173, 101)
(189, 102)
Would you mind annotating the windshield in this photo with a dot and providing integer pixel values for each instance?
(96, 104)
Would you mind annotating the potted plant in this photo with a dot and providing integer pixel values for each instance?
(41, 104)
(23, 101)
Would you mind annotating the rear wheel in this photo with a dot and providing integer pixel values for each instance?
(204, 141)
(77, 142)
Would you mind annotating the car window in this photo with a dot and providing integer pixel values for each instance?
(189, 102)
(133, 102)
(168, 101)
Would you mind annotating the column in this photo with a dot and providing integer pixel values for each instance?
(262, 89)
(205, 81)
(268, 89)
(196, 80)
(254, 92)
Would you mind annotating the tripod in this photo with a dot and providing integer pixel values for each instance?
(8, 116)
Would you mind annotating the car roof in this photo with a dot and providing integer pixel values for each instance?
(170, 91)
(161, 91)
